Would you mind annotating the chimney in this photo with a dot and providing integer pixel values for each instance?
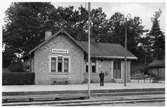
(48, 34)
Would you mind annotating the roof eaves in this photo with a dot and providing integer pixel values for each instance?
(118, 57)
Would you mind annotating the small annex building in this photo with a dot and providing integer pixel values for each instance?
(61, 58)
(157, 67)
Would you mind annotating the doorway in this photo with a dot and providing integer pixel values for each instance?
(117, 69)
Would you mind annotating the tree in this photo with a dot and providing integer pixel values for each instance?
(66, 18)
(147, 50)
(99, 22)
(24, 28)
(134, 31)
(27, 22)
(157, 37)
(76, 21)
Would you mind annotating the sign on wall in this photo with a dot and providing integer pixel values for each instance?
(62, 51)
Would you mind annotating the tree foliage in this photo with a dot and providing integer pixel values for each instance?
(134, 27)
(24, 25)
(24, 28)
(27, 22)
(156, 38)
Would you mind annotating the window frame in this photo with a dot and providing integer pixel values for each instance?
(69, 63)
(63, 57)
(57, 63)
(92, 64)
(51, 64)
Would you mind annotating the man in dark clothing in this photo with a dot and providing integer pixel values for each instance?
(101, 75)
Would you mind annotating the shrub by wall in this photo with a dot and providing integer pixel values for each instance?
(18, 78)
(16, 67)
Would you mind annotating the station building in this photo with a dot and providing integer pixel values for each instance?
(61, 58)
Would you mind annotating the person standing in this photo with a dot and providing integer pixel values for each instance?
(101, 75)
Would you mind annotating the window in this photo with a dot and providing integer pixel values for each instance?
(60, 61)
(59, 64)
(86, 68)
(117, 69)
(93, 67)
(66, 64)
(53, 64)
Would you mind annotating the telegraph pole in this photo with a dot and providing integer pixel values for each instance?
(89, 56)
(125, 72)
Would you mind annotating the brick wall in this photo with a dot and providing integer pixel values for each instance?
(107, 67)
(41, 61)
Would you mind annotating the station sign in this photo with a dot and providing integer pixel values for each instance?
(60, 51)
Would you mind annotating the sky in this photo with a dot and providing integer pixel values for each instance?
(142, 9)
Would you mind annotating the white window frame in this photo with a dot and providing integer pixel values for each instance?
(69, 64)
(56, 56)
(50, 57)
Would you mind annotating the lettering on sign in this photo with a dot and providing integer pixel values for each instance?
(60, 51)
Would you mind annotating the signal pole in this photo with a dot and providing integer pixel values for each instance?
(125, 72)
(89, 56)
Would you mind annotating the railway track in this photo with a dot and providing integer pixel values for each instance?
(104, 102)
(77, 98)
(89, 102)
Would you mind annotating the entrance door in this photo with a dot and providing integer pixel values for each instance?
(117, 69)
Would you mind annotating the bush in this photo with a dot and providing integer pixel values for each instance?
(18, 78)
(156, 78)
(16, 67)
(145, 71)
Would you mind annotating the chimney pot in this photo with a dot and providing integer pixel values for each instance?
(48, 34)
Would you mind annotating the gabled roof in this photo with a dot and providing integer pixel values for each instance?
(53, 36)
(98, 49)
